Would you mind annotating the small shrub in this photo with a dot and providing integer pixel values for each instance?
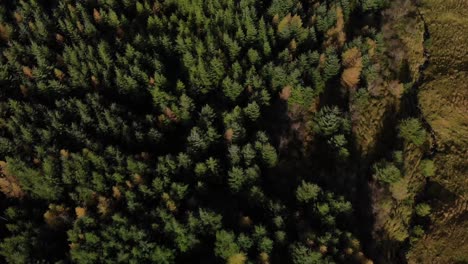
(423, 209)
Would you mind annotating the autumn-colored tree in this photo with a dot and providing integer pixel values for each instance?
(336, 35)
(80, 212)
(9, 185)
(57, 216)
(238, 258)
(352, 61)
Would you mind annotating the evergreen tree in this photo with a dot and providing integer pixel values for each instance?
(225, 245)
(307, 192)
(412, 131)
(136, 131)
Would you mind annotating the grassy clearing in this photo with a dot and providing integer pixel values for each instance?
(444, 101)
(444, 95)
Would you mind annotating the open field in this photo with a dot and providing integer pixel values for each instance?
(444, 102)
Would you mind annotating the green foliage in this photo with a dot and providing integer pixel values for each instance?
(302, 96)
(280, 237)
(339, 143)
(236, 179)
(427, 168)
(330, 120)
(265, 245)
(244, 242)
(231, 89)
(332, 65)
(418, 231)
(307, 192)
(42, 184)
(371, 5)
(423, 209)
(162, 255)
(14, 250)
(136, 132)
(302, 255)
(398, 157)
(386, 172)
(225, 245)
(280, 7)
(207, 222)
(412, 131)
(268, 154)
(331, 124)
(252, 111)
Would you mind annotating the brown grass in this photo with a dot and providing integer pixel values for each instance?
(443, 99)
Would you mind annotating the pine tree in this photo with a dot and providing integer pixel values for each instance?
(269, 155)
(225, 246)
(236, 179)
(301, 255)
(231, 89)
(124, 123)
(307, 192)
(386, 172)
(331, 66)
(423, 209)
(252, 111)
(412, 131)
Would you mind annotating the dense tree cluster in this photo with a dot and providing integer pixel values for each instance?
(134, 131)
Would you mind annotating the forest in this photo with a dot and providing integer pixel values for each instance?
(229, 131)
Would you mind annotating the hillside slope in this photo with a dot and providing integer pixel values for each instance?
(443, 101)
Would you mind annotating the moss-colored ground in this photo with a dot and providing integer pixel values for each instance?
(444, 95)
(444, 102)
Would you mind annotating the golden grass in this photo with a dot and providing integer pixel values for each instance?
(444, 103)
